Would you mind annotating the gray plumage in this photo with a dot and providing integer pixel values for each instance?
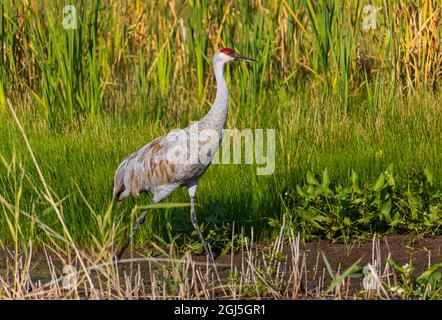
(179, 157)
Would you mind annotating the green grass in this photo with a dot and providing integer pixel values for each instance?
(311, 134)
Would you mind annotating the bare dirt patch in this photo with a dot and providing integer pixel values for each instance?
(403, 249)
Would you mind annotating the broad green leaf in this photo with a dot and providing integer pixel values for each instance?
(429, 175)
(365, 219)
(311, 179)
(430, 271)
(300, 192)
(354, 181)
(396, 265)
(385, 210)
(396, 219)
(325, 178)
(379, 183)
(390, 180)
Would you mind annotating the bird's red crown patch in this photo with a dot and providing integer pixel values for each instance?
(228, 51)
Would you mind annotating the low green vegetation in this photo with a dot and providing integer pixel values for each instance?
(383, 173)
(324, 208)
(426, 286)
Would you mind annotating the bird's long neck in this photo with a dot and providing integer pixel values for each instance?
(218, 113)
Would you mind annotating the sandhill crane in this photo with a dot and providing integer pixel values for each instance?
(178, 158)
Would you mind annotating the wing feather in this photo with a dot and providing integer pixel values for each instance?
(161, 166)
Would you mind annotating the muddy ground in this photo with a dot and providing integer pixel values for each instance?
(403, 249)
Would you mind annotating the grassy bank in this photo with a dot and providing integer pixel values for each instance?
(311, 135)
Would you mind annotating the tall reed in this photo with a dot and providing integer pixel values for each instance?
(158, 54)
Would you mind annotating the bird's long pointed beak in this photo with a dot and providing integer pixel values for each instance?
(239, 57)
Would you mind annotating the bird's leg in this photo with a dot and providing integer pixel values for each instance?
(140, 221)
(197, 228)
